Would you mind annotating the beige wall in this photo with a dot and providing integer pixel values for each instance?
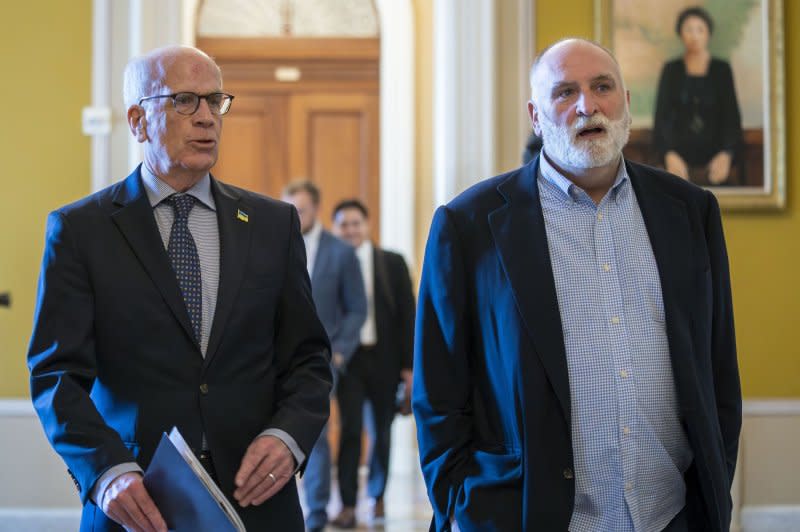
(45, 55)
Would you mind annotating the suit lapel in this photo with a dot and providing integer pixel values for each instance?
(381, 278)
(322, 257)
(667, 221)
(234, 241)
(137, 224)
(519, 234)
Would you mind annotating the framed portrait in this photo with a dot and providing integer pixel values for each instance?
(706, 84)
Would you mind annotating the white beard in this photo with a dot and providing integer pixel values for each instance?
(565, 147)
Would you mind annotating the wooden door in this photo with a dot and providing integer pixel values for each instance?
(253, 149)
(333, 141)
(321, 122)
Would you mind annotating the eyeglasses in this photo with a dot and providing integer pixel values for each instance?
(187, 103)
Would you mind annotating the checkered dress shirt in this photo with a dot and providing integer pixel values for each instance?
(629, 446)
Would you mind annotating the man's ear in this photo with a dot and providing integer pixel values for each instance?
(137, 122)
(533, 113)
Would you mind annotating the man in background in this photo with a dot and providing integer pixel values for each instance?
(575, 363)
(338, 292)
(383, 359)
(173, 299)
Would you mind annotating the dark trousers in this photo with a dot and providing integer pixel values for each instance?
(365, 380)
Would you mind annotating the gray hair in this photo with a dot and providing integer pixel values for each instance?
(145, 74)
(538, 59)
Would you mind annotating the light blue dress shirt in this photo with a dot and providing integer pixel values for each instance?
(630, 448)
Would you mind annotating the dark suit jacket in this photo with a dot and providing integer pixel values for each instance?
(338, 290)
(394, 313)
(114, 363)
(491, 389)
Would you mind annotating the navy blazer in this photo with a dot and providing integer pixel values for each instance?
(114, 362)
(491, 389)
(338, 291)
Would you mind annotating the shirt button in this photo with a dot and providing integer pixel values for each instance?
(606, 268)
(623, 373)
(626, 430)
(600, 216)
(568, 474)
(628, 486)
(204, 388)
(615, 320)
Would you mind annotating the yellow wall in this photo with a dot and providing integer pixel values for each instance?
(764, 249)
(423, 76)
(45, 60)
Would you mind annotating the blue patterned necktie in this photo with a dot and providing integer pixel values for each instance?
(185, 261)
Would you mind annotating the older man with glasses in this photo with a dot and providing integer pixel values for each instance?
(173, 299)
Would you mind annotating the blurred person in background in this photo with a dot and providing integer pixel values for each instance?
(383, 359)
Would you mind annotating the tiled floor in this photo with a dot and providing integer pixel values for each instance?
(406, 502)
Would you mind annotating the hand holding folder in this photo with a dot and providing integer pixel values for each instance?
(183, 491)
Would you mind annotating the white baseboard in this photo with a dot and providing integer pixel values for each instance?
(40, 519)
(770, 518)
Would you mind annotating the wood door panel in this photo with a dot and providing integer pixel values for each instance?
(253, 149)
(333, 141)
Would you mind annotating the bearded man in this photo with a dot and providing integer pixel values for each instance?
(575, 362)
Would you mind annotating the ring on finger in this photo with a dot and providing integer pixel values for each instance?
(274, 479)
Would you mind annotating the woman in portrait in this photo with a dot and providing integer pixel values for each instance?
(697, 130)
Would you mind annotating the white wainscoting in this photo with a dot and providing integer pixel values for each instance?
(768, 469)
(36, 493)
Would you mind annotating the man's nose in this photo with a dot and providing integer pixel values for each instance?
(203, 115)
(586, 104)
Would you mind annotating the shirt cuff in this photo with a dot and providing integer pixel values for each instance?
(101, 485)
(282, 435)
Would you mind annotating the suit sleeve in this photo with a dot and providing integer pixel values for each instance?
(303, 375)
(727, 388)
(63, 365)
(441, 388)
(406, 310)
(353, 301)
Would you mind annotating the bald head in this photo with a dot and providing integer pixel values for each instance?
(146, 74)
(561, 50)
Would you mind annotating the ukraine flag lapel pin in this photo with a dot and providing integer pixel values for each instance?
(241, 215)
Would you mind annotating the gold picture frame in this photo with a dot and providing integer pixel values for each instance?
(642, 35)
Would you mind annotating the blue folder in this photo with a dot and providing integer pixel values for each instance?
(187, 498)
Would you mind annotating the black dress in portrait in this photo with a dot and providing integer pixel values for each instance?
(698, 116)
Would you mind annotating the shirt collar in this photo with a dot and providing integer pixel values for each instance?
(158, 190)
(313, 233)
(364, 251)
(549, 172)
